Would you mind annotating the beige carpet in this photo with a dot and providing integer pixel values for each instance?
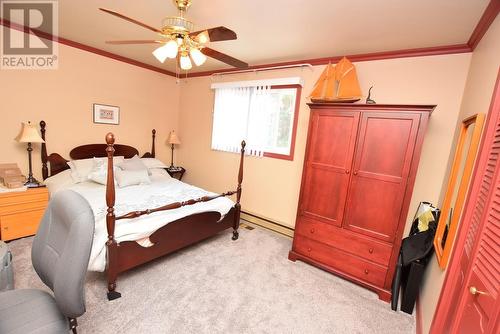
(221, 286)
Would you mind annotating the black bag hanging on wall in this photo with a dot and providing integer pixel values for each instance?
(414, 254)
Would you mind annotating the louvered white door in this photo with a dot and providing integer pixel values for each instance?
(479, 283)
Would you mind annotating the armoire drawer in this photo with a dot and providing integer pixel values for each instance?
(341, 261)
(348, 241)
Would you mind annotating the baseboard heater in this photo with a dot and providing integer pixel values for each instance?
(267, 223)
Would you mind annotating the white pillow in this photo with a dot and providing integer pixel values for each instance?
(59, 181)
(99, 172)
(80, 169)
(126, 178)
(134, 163)
(159, 172)
(152, 163)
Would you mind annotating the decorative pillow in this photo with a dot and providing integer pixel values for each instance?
(80, 169)
(160, 172)
(99, 172)
(134, 164)
(126, 178)
(152, 163)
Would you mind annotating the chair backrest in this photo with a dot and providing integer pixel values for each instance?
(61, 250)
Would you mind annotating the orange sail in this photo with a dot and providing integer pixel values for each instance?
(337, 84)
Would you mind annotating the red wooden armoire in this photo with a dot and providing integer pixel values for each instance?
(358, 176)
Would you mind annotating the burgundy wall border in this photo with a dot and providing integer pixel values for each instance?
(83, 47)
(489, 15)
(481, 28)
(431, 51)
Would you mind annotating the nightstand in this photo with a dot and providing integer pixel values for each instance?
(176, 172)
(21, 212)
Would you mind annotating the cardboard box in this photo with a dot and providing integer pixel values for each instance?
(15, 184)
(11, 176)
(18, 178)
(6, 166)
(9, 170)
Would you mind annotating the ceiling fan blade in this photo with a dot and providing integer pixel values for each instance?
(224, 58)
(138, 41)
(130, 19)
(214, 35)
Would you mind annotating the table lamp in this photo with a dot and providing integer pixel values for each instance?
(29, 134)
(173, 140)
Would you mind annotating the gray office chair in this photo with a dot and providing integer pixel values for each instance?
(60, 255)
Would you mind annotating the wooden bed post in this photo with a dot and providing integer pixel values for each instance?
(153, 145)
(45, 169)
(111, 244)
(237, 213)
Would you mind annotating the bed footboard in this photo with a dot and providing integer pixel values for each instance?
(171, 237)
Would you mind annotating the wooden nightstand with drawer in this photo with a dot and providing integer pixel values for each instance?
(21, 212)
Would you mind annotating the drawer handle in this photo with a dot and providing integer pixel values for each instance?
(370, 251)
(309, 249)
(355, 172)
(312, 230)
(366, 271)
(347, 171)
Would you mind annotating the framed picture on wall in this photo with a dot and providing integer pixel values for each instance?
(104, 114)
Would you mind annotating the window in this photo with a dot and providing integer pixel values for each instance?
(265, 116)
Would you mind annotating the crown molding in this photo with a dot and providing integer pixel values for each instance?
(419, 52)
(489, 15)
(480, 30)
(84, 47)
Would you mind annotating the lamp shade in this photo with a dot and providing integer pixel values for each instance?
(29, 134)
(173, 139)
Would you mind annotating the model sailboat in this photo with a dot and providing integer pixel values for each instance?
(337, 83)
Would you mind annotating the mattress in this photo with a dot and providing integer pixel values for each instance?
(162, 190)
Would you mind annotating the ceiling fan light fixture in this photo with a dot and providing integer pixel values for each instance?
(160, 54)
(185, 62)
(198, 57)
(203, 37)
(169, 50)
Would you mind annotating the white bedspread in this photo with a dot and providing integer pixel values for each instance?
(163, 190)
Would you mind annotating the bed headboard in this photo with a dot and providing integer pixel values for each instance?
(57, 163)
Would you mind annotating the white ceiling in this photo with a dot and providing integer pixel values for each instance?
(279, 30)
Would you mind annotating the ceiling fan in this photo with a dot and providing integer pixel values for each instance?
(178, 40)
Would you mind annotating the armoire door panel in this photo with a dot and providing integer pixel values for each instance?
(380, 171)
(384, 144)
(324, 195)
(328, 164)
(333, 139)
(374, 207)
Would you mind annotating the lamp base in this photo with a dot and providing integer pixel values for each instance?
(32, 183)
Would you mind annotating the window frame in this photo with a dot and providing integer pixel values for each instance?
(289, 156)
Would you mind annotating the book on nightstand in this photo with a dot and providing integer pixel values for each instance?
(11, 176)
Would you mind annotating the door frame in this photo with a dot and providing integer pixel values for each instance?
(445, 301)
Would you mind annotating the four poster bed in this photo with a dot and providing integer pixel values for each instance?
(176, 234)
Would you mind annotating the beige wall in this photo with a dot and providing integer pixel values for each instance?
(64, 98)
(479, 87)
(271, 186)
